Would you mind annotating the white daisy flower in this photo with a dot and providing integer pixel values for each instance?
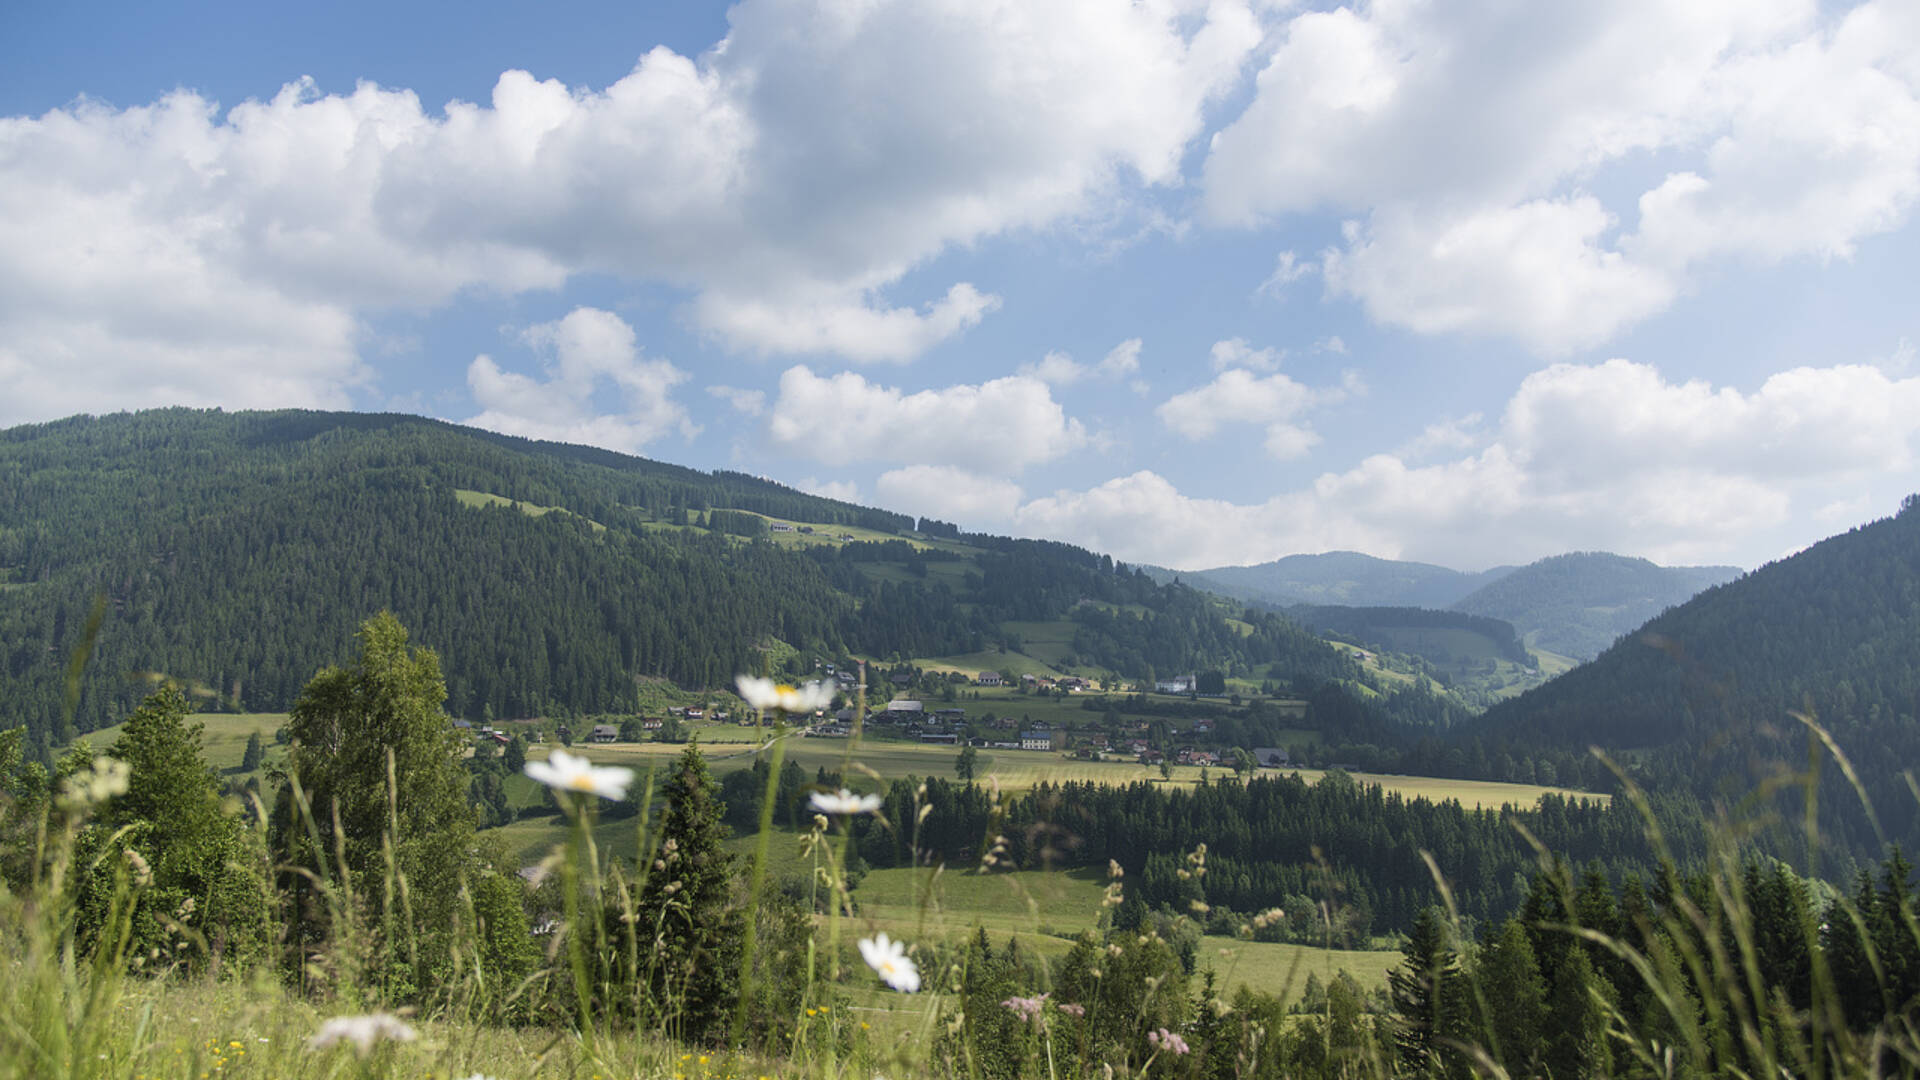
(566, 772)
(362, 1031)
(845, 802)
(766, 694)
(889, 959)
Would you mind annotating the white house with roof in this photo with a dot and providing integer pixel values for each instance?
(1041, 740)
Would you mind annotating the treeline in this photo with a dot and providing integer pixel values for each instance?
(1747, 970)
(1275, 841)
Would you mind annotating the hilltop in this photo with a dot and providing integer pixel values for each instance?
(1346, 579)
(1578, 604)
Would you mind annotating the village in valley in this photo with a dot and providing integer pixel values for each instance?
(912, 705)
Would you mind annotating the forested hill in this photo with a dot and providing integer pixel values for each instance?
(1577, 604)
(1345, 578)
(240, 551)
(1834, 630)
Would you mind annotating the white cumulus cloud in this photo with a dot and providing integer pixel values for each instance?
(1058, 368)
(949, 494)
(584, 353)
(786, 180)
(1471, 144)
(1610, 455)
(1238, 396)
(1003, 425)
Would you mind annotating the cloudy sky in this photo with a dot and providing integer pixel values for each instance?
(1190, 283)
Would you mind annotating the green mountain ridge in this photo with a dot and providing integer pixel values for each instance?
(1347, 579)
(1704, 695)
(1578, 604)
(239, 551)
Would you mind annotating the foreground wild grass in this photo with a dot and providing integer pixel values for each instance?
(1690, 996)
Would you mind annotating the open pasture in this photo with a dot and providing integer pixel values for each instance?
(224, 738)
(479, 499)
(1019, 770)
(1044, 910)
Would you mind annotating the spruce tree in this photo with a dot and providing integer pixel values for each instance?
(689, 897)
(1577, 1046)
(171, 815)
(256, 752)
(1515, 998)
(1424, 990)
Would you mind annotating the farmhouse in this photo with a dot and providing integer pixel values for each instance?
(1271, 757)
(1042, 740)
(905, 708)
(604, 733)
(990, 678)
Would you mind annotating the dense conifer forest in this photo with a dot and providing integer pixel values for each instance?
(237, 551)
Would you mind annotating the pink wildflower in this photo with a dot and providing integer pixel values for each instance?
(1026, 1008)
(1166, 1040)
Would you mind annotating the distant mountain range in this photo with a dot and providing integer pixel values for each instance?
(1574, 605)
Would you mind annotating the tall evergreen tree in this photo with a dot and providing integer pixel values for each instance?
(1576, 1047)
(196, 852)
(1425, 992)
(689, 897)
(1515, 999)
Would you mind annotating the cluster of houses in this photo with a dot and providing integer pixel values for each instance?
(1072, 684)
(490, 734)
(805, 530)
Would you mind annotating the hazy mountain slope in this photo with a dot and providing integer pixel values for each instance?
(1712, 683)
(1347, 578)
(1577, 604)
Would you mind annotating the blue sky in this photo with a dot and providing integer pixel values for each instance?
(1190, 283)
